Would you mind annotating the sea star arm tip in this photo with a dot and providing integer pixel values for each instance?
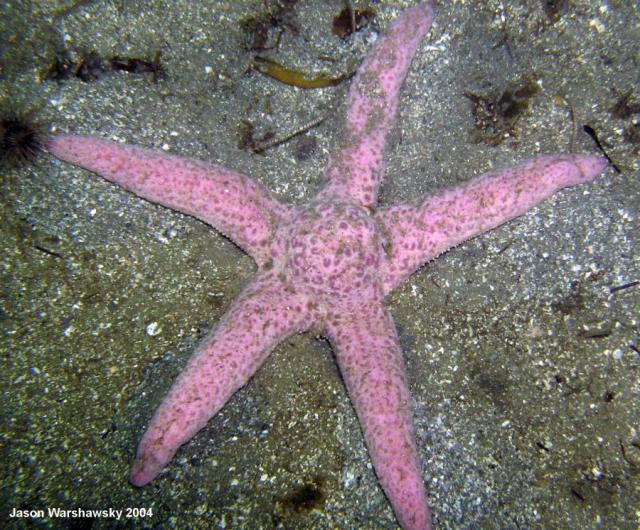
(419, 233)
(370, 361)
(234, 204)
(223, 363)
(356, 170)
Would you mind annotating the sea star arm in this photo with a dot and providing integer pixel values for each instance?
(234, 204)
(264, 314)
(439, 222)
(356, 170)
(370, 360)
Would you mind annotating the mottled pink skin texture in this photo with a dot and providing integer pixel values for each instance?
(327, 264)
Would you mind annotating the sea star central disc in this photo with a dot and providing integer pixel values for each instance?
(333, 249)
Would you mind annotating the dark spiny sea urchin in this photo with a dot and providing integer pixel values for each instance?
(20, 139)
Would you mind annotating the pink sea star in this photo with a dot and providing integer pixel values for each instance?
(326, 265)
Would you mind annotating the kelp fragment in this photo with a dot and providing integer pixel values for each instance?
(291, 77)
